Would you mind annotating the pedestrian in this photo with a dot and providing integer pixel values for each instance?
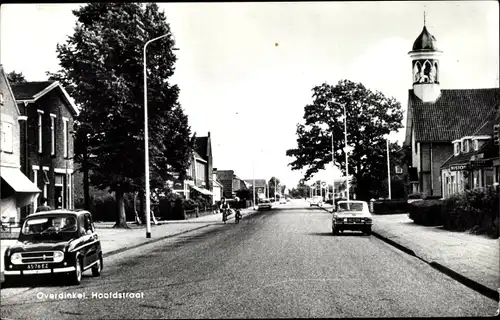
(44, 206)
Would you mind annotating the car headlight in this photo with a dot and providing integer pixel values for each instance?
(58, 256)
(345, 219)
(16, 258)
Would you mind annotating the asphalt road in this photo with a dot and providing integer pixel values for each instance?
(282, 263)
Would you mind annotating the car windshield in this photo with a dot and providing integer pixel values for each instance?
(49, 225)
(347, 206)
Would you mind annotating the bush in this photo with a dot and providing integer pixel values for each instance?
(475, 210)
(426, 212)
(390, 206)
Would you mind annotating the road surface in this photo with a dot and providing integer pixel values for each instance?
(281, 263)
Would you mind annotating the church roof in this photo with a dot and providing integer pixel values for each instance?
(425, 41)
(201, 146)
(455, 114)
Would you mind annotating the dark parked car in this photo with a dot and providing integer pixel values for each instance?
(59, 242)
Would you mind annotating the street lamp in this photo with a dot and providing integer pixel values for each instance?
(146, 139)
(388, 168)
(346, 158)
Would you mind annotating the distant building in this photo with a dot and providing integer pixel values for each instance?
(260, 187)
(230, 182)
(438, 118)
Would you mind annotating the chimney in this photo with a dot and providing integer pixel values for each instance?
(209, 133)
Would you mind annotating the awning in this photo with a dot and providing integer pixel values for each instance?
(201, 190)
(26, 191)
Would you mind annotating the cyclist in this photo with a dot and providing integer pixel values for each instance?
(238, 207)
(224, 207)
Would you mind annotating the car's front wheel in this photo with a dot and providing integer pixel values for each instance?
(368, 231)
(97, 268)
(75, 277)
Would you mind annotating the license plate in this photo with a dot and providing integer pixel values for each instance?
(38, 266)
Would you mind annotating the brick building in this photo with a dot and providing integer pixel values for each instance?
(437, 117)
(16, 190)
(47, 140)
(230, 183)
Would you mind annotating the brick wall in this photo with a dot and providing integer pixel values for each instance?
(53, 103)
(440, 153)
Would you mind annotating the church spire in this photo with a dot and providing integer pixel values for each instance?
(425, 7)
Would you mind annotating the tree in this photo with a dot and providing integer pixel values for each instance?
(15, 77)
(301, 190)
(370, 116)
(102, 64)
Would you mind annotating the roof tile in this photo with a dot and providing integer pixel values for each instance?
(27, 90)
(456, 113)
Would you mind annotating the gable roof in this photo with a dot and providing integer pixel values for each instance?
(34, 90)
(456, 113)
(225, 175)
(6, 80)
(259, 183)
(201, 146)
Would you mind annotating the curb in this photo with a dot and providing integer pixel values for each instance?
(472, 284)
(485, 291)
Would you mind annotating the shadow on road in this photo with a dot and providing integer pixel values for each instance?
(345, 234)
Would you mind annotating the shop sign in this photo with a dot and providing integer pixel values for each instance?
(459, 167)
(476, 164)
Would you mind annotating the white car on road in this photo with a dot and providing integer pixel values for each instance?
(352, 215)
(316, 201)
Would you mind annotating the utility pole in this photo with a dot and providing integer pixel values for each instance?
(346, 159)
(388, 169)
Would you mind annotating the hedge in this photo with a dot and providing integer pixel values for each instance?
(426, 212)
(387, 206)
(473, 210)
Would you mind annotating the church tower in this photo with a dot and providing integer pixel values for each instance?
(425, 65)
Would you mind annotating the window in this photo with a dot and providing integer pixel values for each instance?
(1, 99)
(40, 114)
(465, 145)
(35, 181)
(65, 137)
(457, 148)
(52, 134)
(6, 143)
(476, 145)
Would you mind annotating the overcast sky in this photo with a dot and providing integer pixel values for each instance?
(237, 84)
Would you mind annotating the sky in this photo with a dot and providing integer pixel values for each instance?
(250, 93)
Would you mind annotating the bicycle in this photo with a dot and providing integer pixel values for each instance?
(224, 215)
(237, 216)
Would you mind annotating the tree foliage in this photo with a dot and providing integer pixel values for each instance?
(102, 68)
(370, 116)
(15, 77)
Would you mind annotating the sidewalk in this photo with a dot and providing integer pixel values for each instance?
(473, 257)
(117, 240)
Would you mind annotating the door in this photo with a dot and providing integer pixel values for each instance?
(58, 197)
(92, 242)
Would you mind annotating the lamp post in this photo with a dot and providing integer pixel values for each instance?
(388, 168)
(146, 139)
(253, 183)
(333, 170)
(346, 158)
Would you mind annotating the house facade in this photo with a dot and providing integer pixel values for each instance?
(260, 187)
(437, 117)
(47, 141)
(217, 188)
(200, 170)
(17, 191)
(230, 183)
(475, 162)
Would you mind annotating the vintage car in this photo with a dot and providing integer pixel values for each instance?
(265, 204)
(352, 215)
(57, 242)
(316, 201)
